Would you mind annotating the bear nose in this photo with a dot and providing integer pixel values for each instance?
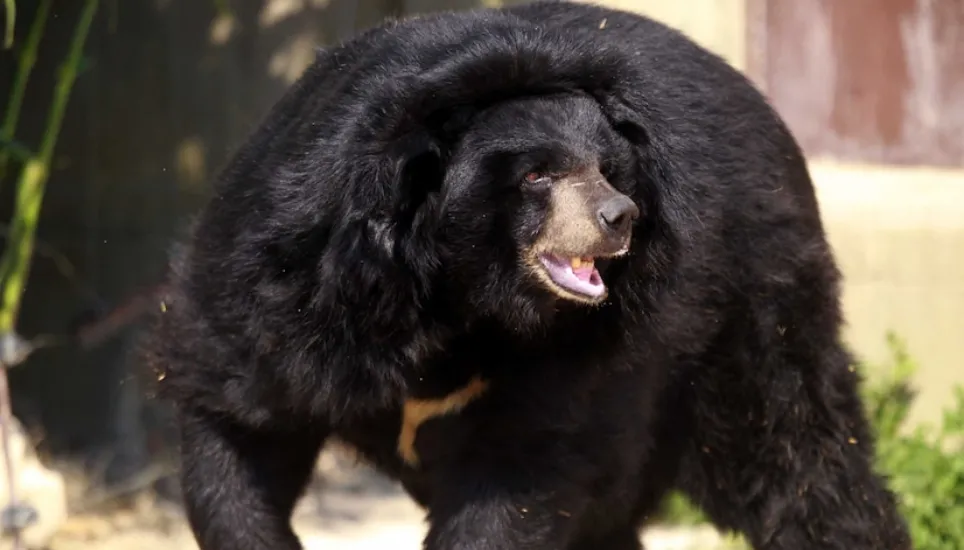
(617, 213)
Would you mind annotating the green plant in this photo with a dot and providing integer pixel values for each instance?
(16, 256)
(10, 15)
(26, 58)
(15, 263)
(678, 510)
(925, 464)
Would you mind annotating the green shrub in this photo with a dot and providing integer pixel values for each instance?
(924, 465)
(678, 510)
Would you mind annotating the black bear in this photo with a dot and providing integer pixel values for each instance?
(540, 264)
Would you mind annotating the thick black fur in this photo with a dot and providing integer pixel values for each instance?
(362, 248)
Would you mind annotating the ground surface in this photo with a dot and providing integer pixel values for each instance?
(350, 508)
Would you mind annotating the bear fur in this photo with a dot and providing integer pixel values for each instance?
(368, 269)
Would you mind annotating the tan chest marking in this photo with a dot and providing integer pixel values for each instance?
(417, 411)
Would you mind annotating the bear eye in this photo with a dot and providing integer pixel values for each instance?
(536, 177)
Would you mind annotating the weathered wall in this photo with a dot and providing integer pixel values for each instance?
(719, 25)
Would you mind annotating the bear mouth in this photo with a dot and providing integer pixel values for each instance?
(575, 277)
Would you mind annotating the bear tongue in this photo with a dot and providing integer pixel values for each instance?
(584, 273)
(583, 280)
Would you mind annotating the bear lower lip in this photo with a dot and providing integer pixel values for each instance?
(585, 282)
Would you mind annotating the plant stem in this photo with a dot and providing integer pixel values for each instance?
(15, 265)
(25, 63)
(11, 16)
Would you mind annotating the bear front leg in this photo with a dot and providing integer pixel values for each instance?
(240, 486)
(490, 512)
(781, 451)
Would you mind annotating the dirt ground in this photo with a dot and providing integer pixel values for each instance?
(349, 507)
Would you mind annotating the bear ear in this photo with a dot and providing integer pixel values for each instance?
(633, 131)
(420, 161)
(419, 173)
(625, 120)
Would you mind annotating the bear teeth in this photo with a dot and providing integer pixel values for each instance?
(577, 263)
